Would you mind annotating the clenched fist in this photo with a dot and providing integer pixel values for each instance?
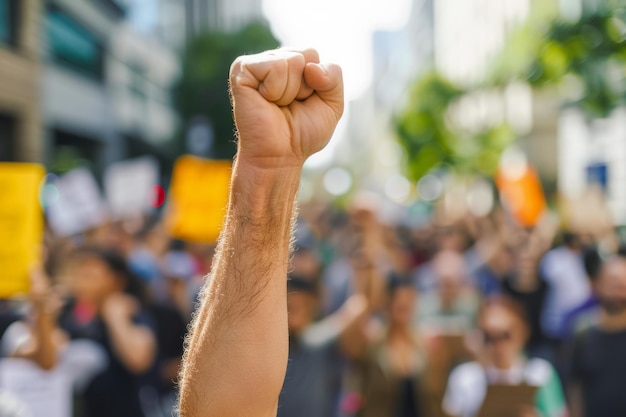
(286, 106)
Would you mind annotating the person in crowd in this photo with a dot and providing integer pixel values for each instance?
(179, 270)
(563, 270)
(503, 331)
(526, 287)
(146, 259)
(449, 239)
(352, 235)
(393, 365)
(317, 349)
(598, 362)
(171, 315)
(452, 307)
(587, 312)
(490, 276)
(312, 385)
(36, 338)
(107, 308)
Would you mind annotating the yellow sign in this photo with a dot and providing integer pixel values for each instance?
(198, 198)
(21, 225)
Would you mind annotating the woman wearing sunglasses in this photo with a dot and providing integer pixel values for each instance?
(503, 331)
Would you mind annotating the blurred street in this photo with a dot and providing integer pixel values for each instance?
(460, 245)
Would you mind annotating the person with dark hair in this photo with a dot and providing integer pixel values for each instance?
(526, 286)
(503, 331)
(392, 366)
(107, 308)
(146, 259)
(598, 362)
(316, 349)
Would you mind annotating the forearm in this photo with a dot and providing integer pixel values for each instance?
(134, 345)
(42, 348)
(244, 306)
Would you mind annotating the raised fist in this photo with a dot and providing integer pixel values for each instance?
(286, 106)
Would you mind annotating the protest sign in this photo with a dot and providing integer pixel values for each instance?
(80, 205)
(522, 194)
(504, 400)
(129, 185)
(21, 225)
(197, 199)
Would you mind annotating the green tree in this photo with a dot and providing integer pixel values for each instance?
(586, 58)
(203, 88)
(430, 141)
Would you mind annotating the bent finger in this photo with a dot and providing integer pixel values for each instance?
(327, 81)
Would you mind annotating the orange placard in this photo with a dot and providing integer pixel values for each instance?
(198, 198)
(21, 225)
(522, 195)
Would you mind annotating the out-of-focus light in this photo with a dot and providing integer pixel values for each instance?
(157, 196)
(48, 195)
(480, 199)
(306, 191)
(398, 188)
(429, 187)
(337, 181)
(513, 163)
(518, 104)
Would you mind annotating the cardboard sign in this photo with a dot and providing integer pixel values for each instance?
(21, 225)
(506, 400)
(129, 185)
(198, 198)
(79, 207)
(40, 393)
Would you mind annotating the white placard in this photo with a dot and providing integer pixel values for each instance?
(80, 205)
(129, 185)
(40, 393)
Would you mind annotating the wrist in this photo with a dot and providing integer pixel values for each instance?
(264, 192)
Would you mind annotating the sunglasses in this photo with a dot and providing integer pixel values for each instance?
(492, 338)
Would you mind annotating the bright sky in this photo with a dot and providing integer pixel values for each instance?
(341, 31)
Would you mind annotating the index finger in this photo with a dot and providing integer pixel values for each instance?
(310, 56)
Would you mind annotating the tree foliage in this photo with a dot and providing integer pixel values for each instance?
(587, 58)
(590, 52)
(430, 140)
(203, 87)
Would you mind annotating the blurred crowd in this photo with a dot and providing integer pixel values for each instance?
(386, 319)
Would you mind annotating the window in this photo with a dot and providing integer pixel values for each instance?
(7, 138)
(72, 45)
(8, 22)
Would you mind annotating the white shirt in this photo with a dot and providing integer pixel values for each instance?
(467, 385)
(568, 287)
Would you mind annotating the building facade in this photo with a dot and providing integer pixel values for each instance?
(76, 104)
(221, 15)
(19, 81)
(105, 87)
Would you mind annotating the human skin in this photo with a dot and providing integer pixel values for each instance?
(286, 106)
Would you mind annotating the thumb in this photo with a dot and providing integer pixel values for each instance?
(327, 81)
